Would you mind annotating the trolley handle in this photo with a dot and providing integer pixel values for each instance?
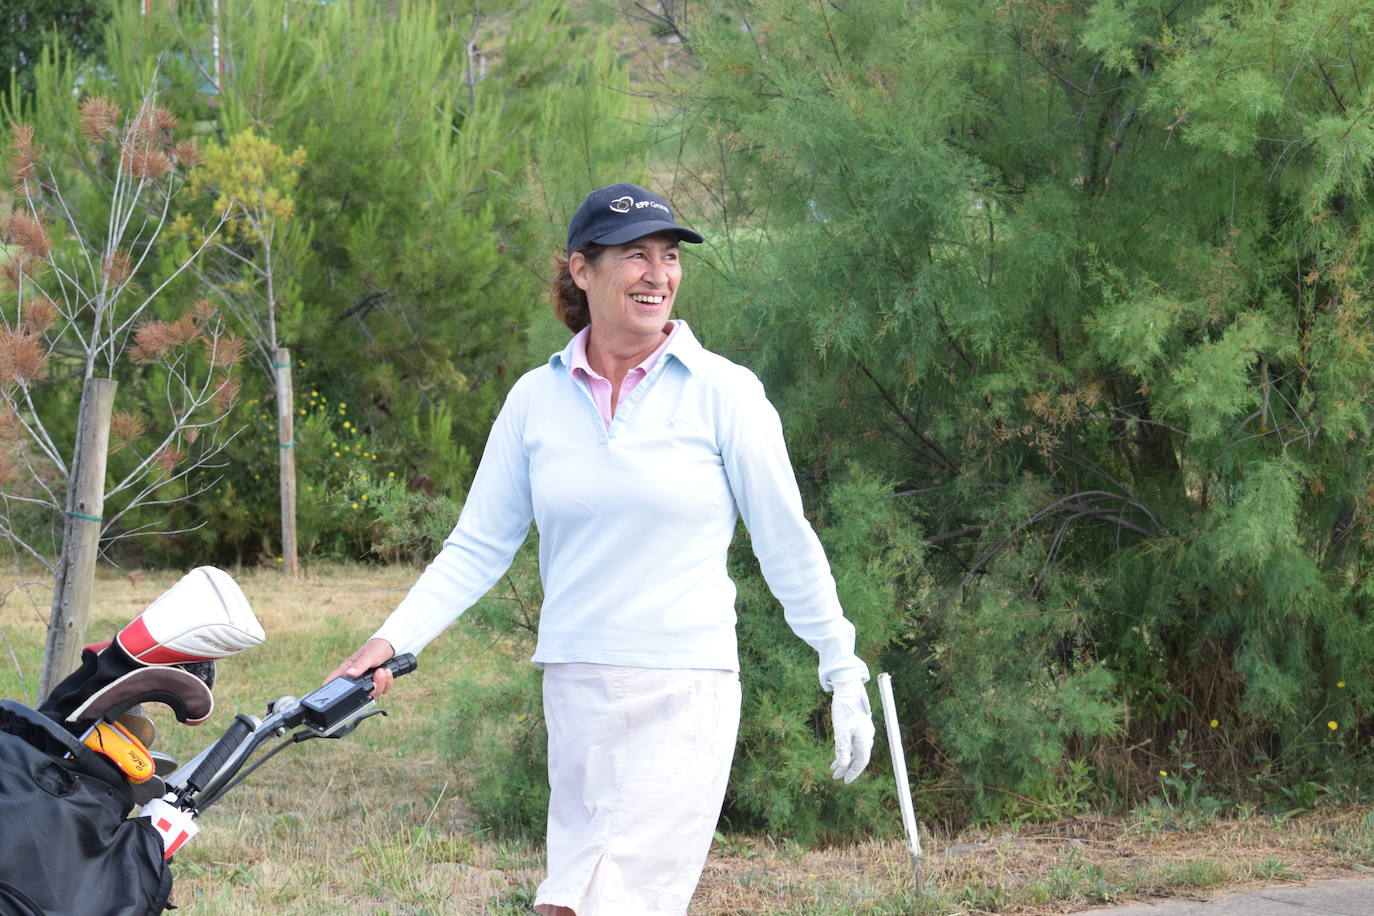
(219, 753)
(397, 665)
(333, 706)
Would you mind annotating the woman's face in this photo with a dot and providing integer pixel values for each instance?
(631, 287)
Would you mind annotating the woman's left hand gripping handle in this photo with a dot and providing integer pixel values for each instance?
(373, 653)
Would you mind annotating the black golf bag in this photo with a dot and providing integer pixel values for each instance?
(67, 845)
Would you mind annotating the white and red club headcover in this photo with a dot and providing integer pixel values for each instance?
(204, 616)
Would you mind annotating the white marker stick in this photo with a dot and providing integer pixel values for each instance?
(894, 744)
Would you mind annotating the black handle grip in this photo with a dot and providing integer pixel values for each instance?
(402, 664)
(219, 752)
(398, 665)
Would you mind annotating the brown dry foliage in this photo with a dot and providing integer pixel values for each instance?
(154, 120)
(185, 330)
(40, 314)
(21, 356)
(204, 311)
(24, 154)
(153, 340)
(12, 433)
(28, 232)
(147, 144)
(117, 267)
(186, 153)
(99, 118)
(150, 342)
(227, 393)
(142, 160)
(126, 426)
(226, 351)
(168, 457)
(13, 271)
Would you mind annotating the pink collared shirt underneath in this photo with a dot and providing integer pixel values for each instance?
(600, 387)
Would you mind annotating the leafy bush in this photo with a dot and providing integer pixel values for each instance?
(429, 144)
(495, 731)
(1087, 285)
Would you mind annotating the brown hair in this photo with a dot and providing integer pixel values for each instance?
(568, 299)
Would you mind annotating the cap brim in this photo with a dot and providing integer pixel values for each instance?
(647, 227)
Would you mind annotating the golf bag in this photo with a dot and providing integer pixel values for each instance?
(67, 844)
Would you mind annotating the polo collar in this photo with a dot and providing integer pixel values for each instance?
(684, 347)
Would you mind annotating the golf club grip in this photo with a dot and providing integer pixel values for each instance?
(220, 751)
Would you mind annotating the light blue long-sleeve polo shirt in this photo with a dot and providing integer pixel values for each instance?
(635, 520)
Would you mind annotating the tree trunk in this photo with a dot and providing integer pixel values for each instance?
(287, 449)
(71, 603)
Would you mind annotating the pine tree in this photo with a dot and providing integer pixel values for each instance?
(439, 142)
(1086, 286)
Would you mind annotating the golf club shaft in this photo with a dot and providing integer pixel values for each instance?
(894, 744)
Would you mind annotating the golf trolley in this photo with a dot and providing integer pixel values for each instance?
(332, 711)
(73, 770)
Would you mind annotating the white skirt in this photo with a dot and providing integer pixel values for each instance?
(638, 763)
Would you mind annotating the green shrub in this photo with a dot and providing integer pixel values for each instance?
(781, 779)
(495, 731)
(1087, 285)
(495, 736)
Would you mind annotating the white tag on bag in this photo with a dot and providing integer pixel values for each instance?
(174, 825)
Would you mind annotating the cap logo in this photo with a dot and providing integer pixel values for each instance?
(622, 204)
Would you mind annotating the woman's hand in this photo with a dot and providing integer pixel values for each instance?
(374, 652)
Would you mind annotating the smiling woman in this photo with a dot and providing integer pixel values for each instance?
(630, 290)
(634, 450)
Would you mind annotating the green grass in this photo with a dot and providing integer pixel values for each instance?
(378, 822)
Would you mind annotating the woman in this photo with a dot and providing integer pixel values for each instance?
(634, 450)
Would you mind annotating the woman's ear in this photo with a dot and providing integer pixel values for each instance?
(578, 267)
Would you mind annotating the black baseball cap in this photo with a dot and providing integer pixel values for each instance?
(621, 213)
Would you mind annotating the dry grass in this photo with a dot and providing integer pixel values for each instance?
(376, 823)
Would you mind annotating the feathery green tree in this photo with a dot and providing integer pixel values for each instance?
(27, 26)
(1086, 285)
(438, 139)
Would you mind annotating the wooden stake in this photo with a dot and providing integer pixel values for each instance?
(71, 603)
(287, 464)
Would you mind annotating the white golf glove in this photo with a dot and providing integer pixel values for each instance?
(852, 719)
